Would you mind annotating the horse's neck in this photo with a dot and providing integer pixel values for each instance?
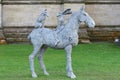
(73, 23)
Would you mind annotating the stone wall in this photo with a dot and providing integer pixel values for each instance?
(106, 14)
(17, 17)
(2, 37)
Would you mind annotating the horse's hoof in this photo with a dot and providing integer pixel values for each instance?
(46, 73)
(34, 75)
(71, 75)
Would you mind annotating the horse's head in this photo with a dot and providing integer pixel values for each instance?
(84, 17)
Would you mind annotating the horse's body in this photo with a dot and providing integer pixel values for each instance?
(68, 37)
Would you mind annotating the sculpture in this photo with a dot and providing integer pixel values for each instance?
(41, 19)
(42, 38)
(61, 19)
(60, 26)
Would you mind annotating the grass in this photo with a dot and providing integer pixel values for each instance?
(96, 61)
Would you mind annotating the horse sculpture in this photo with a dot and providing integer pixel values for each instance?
(42, 38)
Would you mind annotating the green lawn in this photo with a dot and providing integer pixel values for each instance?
(96, 61)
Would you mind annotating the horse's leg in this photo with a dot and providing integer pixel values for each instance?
(40, 58)
(70, 73)
(31, 59)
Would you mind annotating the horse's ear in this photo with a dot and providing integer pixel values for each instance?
(82, 8)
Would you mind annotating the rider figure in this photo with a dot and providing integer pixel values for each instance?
(41, 19)
(61, 19)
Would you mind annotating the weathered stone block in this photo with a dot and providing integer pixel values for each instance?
(83, 36)
(30, 1)
(102, 1)
(1, 35)
(104, 34)
(2, 38)
(26, 15)
(0, 16)
(73, 1)
(17, 34)
(41, 1)
(17, 40)
(105, 14)
(3, 41)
